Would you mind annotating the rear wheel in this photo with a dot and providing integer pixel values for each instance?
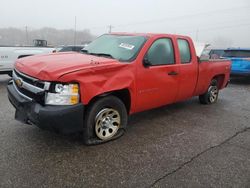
(105, 120)
(211, 95)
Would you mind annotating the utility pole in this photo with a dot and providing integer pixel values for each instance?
(75, 32)
(27, 36)
(110, 28)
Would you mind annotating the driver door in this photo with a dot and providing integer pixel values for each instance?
(158, 78)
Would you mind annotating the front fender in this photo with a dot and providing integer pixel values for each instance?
(94, 82)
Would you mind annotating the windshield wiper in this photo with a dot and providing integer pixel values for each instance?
(102, 54)
(97, 54)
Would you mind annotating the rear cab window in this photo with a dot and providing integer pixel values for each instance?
(184, 50)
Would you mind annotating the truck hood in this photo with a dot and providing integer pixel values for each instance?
(53, 66)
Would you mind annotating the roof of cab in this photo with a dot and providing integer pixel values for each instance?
(147, 34)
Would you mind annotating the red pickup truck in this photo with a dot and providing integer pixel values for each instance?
(116, 75)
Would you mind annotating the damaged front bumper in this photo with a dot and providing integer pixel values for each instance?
(62, 119)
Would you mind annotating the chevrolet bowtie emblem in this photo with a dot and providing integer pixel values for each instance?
(19, 82)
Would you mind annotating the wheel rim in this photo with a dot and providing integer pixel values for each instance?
(107, 123)
(213, 94)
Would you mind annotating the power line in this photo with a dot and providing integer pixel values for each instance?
(216, 23)
(202, 30)
(182, 17)
(225, 27)
(176, 17)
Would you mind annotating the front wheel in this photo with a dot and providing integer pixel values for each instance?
(105, 120)
(211, 96)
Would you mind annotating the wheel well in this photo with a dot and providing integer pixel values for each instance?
(123, 95)
(220, 79)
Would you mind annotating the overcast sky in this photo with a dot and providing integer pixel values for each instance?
(215, 21)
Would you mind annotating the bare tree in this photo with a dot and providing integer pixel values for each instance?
(14, 36)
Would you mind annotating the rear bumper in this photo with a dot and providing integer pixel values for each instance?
(63, 119)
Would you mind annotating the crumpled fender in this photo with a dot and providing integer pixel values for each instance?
(99, 80)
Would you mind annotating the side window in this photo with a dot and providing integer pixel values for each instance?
(184, 50)
(161, 52)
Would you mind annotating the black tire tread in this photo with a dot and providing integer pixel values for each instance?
(204, 99)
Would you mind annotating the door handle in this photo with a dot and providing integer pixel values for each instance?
(173, 73)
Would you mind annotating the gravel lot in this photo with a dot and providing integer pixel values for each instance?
(180, 145)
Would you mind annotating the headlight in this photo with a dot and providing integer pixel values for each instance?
(63, 94)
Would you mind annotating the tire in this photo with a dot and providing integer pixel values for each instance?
(105, 120)
(211, 96)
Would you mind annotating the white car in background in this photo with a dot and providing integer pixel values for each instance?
(9, 54)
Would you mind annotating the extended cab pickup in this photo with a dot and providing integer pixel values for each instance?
(116, 75)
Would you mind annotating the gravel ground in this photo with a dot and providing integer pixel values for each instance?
(180, 145)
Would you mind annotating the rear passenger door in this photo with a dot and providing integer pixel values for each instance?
(188, 69)
(157, 79)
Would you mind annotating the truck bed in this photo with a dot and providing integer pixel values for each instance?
(210, 69)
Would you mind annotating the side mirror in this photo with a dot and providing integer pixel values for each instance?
(146, 62)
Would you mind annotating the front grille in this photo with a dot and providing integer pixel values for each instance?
(30, 80)
(29, 87)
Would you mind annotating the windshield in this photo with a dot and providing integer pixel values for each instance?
(237, 53)
(121, 47)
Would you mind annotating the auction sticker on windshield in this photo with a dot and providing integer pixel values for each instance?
(127, 46)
